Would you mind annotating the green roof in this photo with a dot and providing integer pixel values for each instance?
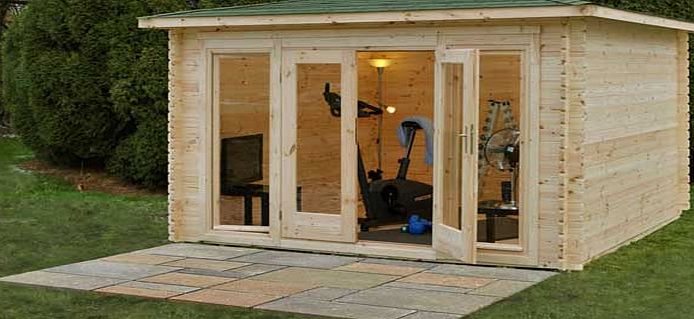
(289, 7)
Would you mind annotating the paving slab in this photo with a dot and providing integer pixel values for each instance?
(334, 309)
(325, 293)
(447, 280)
(327, 278)
(265, 287)
(494, 272)
(141, 259)
(403, 263)
(409, 285)
(324, 285)
(227, 298)
(295, 259)
(100, 268)
(431, 315)
(213, 273)
(207, 264)
(189, 280)
(253, 270)
(435, 301)
(380, 269)
(199, 251)
(155, 286)
(59, 280)
(140, 292)
(502, 288)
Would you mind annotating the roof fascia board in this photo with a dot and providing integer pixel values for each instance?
(626, 16)
(589, 10)
(367, 17)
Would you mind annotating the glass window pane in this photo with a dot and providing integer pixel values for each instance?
(453, 147)
(499, 138)
(242, 95)
(318, 140)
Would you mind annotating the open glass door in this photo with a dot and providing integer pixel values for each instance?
(455, 181)
(319, 170)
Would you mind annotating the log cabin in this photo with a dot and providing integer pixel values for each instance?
(532, 133)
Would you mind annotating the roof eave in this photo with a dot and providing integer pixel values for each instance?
(415, 16)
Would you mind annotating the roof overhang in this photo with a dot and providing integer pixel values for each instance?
(588, 10)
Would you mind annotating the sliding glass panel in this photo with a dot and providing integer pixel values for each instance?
(499, 142)
(242, 99)
(318, 144)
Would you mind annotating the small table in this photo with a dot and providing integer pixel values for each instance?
(491, 210)
(248, 191)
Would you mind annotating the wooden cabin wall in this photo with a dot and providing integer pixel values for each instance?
(188, 200)
(553, 141)
(632, 140)
(571, 210)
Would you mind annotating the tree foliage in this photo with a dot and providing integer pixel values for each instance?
(84, 83)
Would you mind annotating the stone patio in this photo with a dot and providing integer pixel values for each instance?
(324, 285)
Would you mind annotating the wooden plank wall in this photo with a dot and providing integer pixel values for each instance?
(188, 197)
(552, 111)
(631, 133)
(574, 77)
(684, 118)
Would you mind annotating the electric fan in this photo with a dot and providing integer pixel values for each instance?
(502, 151)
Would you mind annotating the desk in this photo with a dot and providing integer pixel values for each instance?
(491, 210)
(248, 191)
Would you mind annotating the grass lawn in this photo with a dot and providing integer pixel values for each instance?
(44, 222)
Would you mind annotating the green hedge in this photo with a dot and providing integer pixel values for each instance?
(84, 85)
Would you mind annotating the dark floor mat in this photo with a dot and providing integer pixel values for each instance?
(506, 228)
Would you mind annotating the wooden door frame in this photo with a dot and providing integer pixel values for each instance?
(457, 243)
(297, 224)
(527, 252)
(254, 235)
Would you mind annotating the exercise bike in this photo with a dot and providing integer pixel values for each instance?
(387, 201)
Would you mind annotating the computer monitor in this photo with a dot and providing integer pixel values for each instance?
(242, 160)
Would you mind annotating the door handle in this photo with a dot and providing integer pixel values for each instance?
(472, 139)
(464, 136)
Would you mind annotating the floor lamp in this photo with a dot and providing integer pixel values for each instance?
(380, 65)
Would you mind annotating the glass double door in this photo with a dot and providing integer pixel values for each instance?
(320, 195)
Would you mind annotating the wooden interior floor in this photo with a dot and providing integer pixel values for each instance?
(506, 233)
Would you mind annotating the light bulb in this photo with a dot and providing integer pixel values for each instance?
(380, 63)
(391, 109)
